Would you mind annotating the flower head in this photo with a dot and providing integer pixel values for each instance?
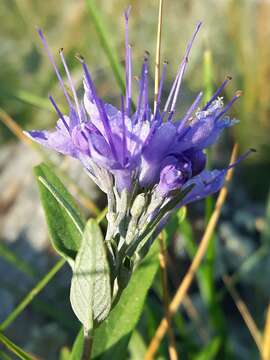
(147, 162)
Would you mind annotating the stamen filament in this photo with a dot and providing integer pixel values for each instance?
(217, 93)
(177, 82)
(46, 47)
(71, 84)
(124, 149)
(227, 107)
(61, 116)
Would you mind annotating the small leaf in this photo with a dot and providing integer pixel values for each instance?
(64, 219)
(90, 293)
(77, 348)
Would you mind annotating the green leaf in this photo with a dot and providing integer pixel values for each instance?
(90, 292)
(64, 354)
(77, 348)
(137, 347)
(63, 217)
(112, 337)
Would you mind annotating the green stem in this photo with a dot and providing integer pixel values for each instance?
(15, 349)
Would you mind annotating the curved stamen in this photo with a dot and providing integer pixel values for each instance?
(178, 79)
(218, 92)
(189, 112)
(61, 116)
(227, 107)
(241, 158)
(183, 67)
(61, 82)
(142, 88)
(61, 53)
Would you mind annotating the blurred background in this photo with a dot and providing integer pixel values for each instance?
(235, 41)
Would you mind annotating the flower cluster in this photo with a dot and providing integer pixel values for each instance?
(146, 161)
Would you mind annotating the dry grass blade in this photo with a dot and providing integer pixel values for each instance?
(158, 48)
(163, 267)
(241, 306)
(266, 337)
(14, 127)
(185, 284)
(162, 251)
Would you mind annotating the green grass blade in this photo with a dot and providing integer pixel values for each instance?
(36, 290)
(14, 260)
(31, 295)
(15, 349)
(27, 98)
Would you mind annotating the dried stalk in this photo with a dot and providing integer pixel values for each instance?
(241, 306)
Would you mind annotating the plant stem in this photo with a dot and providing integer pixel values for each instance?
(87, 346)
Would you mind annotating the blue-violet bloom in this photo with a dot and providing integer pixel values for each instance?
(147, 161)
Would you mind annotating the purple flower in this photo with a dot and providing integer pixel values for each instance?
(141, 151)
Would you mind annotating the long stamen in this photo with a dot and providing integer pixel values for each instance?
(61, 116)
(107, 128)
(84, 115)
(177, 82)
(191, 109)
(128, 64)
(70, 83)
(227, 107)
(241, 158)
(100, 106)
(124, 149)
(224, 171)
(46, 47)
(170, 116)
(146, 88)
(183, 67)
(217, 93)
(141, 90)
